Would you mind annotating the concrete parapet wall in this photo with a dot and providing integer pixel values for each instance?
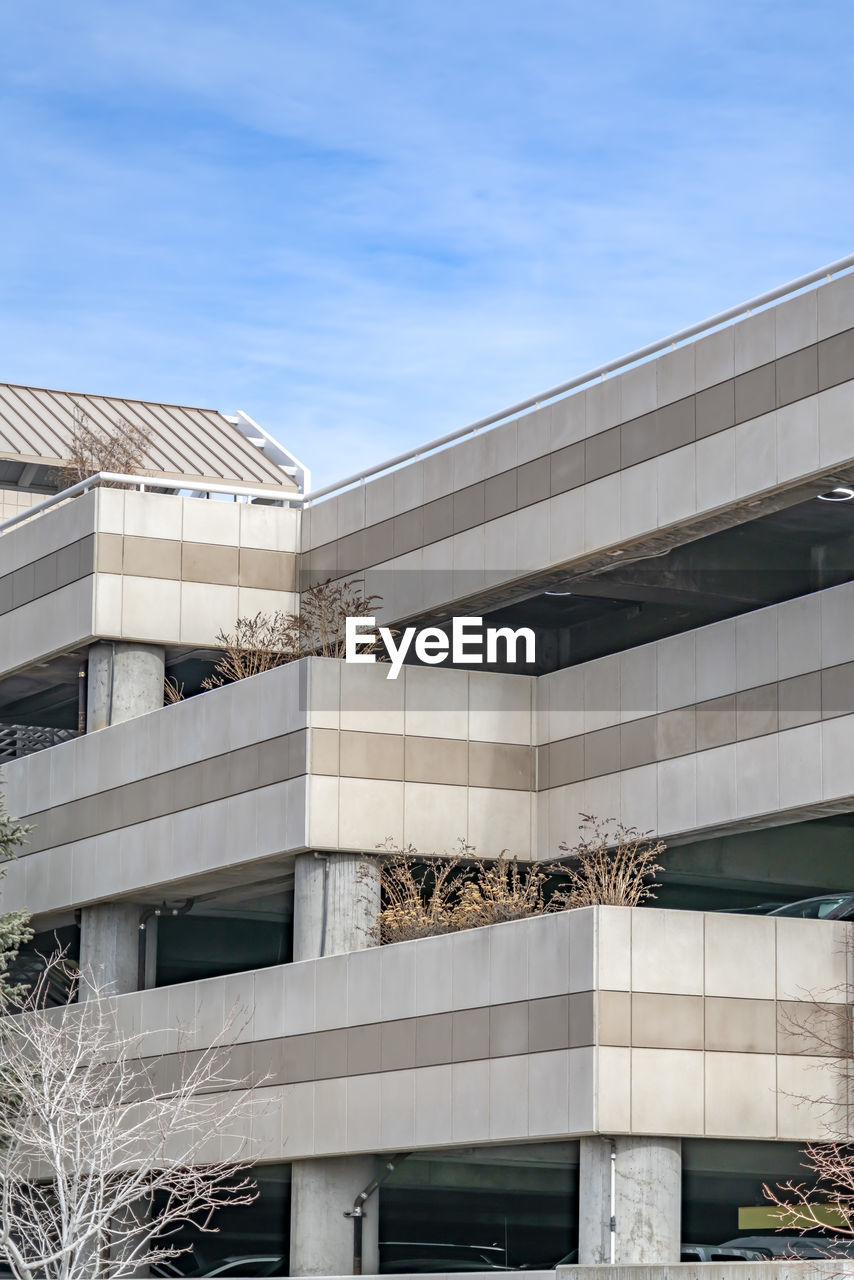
(506, 1034)
(142, 567)
(813, 1269)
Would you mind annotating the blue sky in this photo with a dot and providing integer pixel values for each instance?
(367, 223)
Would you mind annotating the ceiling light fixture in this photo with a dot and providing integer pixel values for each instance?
(840, 494)
(557, 593)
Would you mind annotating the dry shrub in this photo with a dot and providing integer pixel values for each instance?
(172, 691)
(271, 640)
(324, 609)
(426, 896)
(612, 865)
(256, 644)
(501, 890)
(121, 447)
(418, 894)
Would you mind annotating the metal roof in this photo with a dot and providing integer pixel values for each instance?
(191, 443)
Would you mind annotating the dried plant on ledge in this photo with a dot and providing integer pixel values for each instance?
(426, 896)
(121, 447)
(272, 640)
(418, 894)
(172, 691)
(324, 609)
(612, 865)
(501, 890)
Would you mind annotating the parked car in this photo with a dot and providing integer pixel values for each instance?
(404, 1257)
(758, 909)
(828, 906)
(255, 1265)
(782, 1246)
(722, 1253)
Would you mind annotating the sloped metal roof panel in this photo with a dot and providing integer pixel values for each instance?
(185, 442)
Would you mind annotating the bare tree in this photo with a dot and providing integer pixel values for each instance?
(121, 446)
(820, 1027)
(104, 1156)
(15, 927)
(610, 865)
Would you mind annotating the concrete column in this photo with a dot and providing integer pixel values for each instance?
(109, 946)
(321, 1237)
(647, 1202)
(124, 680)
(336, 904)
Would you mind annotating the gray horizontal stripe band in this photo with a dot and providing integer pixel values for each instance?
(48, 574)
(736, 717)
(640, 1020)
(247, 769)
(437, 1039)
(147, 558)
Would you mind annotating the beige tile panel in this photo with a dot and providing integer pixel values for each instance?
(438, 761)
(207, 562)
(503, 765)
(740, 1026)
(713, 1023)
(325, 751)
(818, 1028)
(151, 557)
(614, 1018)
(372, 755)
(268, 570)
(666, 1021)
(109, 553)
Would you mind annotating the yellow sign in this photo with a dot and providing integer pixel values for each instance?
(771, 1217)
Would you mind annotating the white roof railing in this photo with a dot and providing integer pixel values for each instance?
(141, 483)
(732, 313)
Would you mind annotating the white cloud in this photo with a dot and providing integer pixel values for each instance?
(367, 225)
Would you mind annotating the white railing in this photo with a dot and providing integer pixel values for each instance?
(601, 371)
(142, 483)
